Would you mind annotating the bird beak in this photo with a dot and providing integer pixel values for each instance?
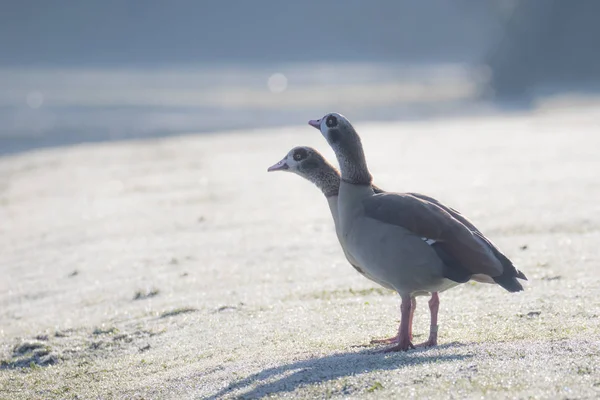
(280, 166)
(315, 123)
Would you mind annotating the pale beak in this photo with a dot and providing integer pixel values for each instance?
(280, 166)
(315, 123)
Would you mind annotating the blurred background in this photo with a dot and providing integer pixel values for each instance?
(79, 71)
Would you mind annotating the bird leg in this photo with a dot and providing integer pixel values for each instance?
(394, 339)
(413, 306)
(389, 340)
(434, 306)
(404, 340)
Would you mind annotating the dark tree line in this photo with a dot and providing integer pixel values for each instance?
(551, 43)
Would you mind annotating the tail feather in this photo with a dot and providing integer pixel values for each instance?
(521, 275)
(508, 279)
(509, 283)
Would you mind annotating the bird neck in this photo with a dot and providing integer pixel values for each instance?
(327, 180)
(353, 164)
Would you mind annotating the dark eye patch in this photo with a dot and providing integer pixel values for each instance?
(300, 154)
(331, 121)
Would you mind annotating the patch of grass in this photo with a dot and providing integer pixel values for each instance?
(109, 331)
(141, 295)
(41, 352)
(27, 347)
(584, 371)
(229, 308)
(375, 386)
(370, 291)
(124, 337)
(551, 278)
(488, 387)
(177, 311)
(62, 390)
(345, 293)
(30, 354)
(96, 345)
(145, 348)
(33, 365)
(63, 333)
(530, 314)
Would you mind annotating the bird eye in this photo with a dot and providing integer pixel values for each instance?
(331, 121)
(300, 154)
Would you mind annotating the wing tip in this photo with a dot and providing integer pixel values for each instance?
(521, 275)
(511, 284)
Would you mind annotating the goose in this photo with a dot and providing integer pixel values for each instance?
(312, 166)
(393, 236)
(308, 163)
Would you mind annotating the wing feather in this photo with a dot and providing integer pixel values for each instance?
(426, 219)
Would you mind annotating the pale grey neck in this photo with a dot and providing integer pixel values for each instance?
(354, 165)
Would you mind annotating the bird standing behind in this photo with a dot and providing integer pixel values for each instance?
(391, 235)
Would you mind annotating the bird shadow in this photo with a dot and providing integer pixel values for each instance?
(288, 377)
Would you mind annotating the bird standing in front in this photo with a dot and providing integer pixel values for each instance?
(312, 166)
(391, 235)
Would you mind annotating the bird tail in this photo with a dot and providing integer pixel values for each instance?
(508, 279)
(509, 283)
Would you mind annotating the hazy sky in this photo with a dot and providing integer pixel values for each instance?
(74, 32)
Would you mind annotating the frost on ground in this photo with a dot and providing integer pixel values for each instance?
(178, 268)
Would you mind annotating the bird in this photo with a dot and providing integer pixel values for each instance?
(396, 238)
(311, 165)
(308, 163)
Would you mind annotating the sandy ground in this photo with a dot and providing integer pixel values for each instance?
(178, 268)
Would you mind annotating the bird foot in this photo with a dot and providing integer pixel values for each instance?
(390, 340)
(401, 345)
(428, 343)
(432, 341)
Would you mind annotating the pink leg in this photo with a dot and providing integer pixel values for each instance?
(434, 306)
(394, 339)
(413, 306)
(404, 341)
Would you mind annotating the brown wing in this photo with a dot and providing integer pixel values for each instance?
(455, 213)
(509, 268)
(426, 219)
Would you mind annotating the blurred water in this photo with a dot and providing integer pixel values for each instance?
(58, 106)
(75, 71)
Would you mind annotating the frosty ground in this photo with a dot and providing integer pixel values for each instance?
(179, 268)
